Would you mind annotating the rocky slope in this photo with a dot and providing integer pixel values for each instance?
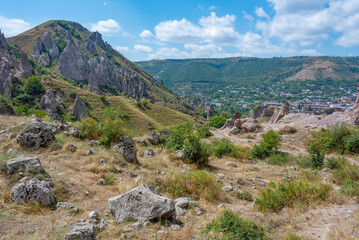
(80, 55)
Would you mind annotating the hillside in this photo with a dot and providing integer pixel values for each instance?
(78, 54)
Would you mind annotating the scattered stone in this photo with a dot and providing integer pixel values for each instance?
(65, 205)
(83, 231)
(102, 181)
(143, 143)
(143, 203)
(127, 149)
(33, 191)
(153, 138)
(88, 152)
(176, 227)
(94, 215)
(11, 136)
(36, 136)
(75, 132)
(220, 175)
(186, 167)
(133, 174)
(103, 162)
(148, 153)
(94, 143)
(184, 202)
(227, 187)
(240, 181)
(102, 225)
(24, 163)
(137, 224)
(66, 133)
(70, 147)
(198, 211)
(221, 205)
(181, 155)
(232, 164)
(147, 223)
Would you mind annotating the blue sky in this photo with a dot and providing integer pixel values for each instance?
(161, 29)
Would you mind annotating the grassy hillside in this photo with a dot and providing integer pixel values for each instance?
(138, 121)
(79, 34)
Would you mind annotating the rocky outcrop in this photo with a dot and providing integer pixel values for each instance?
(262, 111)
(90, 46)
(50, 102)
(153, 138)
(73, 62)
(149, 153)
(45, 50)
(356, 110)
(127, 149)
(79, 109)
(6, 108)
(33, 191)
(280, 113)
(143, 203)
(11, 66)
(35, 136)
(82, 231)
(249, 125)
(24, 163)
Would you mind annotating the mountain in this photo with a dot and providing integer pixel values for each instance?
(77, 54)
(246, 71)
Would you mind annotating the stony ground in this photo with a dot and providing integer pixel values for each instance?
(76, 180)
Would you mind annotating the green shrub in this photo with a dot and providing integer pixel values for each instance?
(37, 113)
(195, 184)
(234, 227)
(89, 128)
(244, 195)
(25, 98)
(304, 161)
(335, 162)
(72, 93)
(223, 147)
(29, 111)
(195, 151)
(203, 132)
(268, 146)
(317, 156)
(217, 121)
(339, 138)
(109, 177)
(277, 196)
(33, 86)
(344, 172)
(178, 135)
(278, 159)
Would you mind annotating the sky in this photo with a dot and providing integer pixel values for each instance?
(167, 29)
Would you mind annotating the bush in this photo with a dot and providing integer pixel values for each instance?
(89, 128)
(268, 146)
(196, 151)
(350, 188)
(25, 98)
(344, 172)
(203, 132)
(29, 111)
(33, 86)
(234, 227)
(304, 161)
(72, 93)
(178, 134)
(317, 156)
(194, 184)
(217, 121)
(223, 147)
(339, 138)
(277, 196)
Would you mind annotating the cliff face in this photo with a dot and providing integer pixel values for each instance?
(13, 63)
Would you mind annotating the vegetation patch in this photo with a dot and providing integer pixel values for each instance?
(296, 192)
(217, 121)
(225, 147)
(268, 146)
(232, 226)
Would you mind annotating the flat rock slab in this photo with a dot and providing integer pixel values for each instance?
(24, 163)
(143, 203)
(82, 231)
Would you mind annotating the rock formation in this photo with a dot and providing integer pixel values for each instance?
(356, 110)
(11, 66)
(143, 203)
(6, 108)
(262, 111)
(280, 113)
(127, 149)
(45, 50)
(50, 102)
(79, 109)
(33, 191)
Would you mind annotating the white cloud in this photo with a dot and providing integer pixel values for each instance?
(247, 16)
(308, 22)
(261, 13)
(169, 53)
(122, 48)
(142, 48)
(107, 27)
(13, 26)
(146, 34)
(211, 8)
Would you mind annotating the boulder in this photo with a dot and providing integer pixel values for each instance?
(280, 113)
(229, 124)
(36, 136)
(143, 203)
(184, 202)
(50, 102)
(153, 138)
(33, 191)
(249, 125)
(6, 108)
(127, 149)
(148, 153)
(94, 143)
(24, 163)
(79, 109)
(82, 231)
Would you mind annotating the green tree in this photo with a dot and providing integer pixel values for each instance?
(33, 86)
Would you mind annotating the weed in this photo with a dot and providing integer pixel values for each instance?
(223, 147)
(279, 159)
(109, 178)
